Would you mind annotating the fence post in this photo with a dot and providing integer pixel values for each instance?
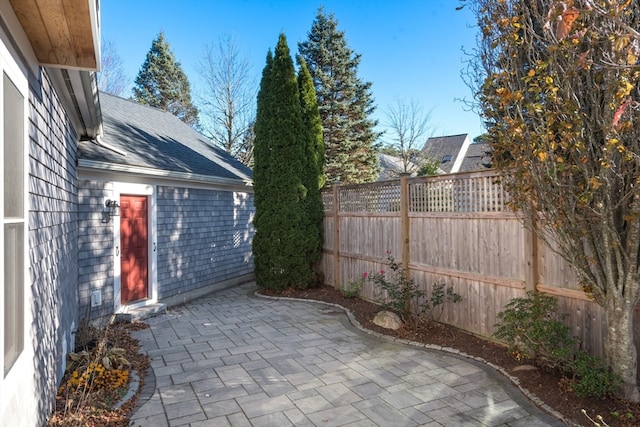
(404, 220)
(531, 254)
(336, 235)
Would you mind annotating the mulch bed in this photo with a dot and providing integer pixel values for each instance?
(96, 409)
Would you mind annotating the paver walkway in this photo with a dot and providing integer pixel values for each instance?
(233, 359)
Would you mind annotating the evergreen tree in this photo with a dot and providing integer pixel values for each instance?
(261, 162)
(161, 83)
(281, 241)
(313, 178)
(344, 101)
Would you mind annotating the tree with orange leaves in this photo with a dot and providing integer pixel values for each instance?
(559, 88)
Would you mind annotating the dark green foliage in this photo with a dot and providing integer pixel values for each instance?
(532, 328)
(592, 378)
(282, 242)
(345, 103)
(428, 167)
(313, 171)
(261, 127)
(162, 84)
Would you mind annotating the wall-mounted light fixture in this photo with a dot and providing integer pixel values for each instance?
(113, 207)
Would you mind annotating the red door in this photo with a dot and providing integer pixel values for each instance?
(133, 248)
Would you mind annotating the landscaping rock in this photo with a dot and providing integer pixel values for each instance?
(388, 320)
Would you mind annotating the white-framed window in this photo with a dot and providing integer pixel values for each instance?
(13, 210)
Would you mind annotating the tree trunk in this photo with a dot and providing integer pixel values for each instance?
(619, 346)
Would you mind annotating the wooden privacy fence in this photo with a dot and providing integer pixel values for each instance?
(454, 230)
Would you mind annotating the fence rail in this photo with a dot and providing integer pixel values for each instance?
(455, 230)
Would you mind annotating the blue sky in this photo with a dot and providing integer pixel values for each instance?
(411, 49)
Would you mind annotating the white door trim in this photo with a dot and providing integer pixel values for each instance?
(136, 190)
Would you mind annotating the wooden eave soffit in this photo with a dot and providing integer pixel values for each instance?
(62, 33)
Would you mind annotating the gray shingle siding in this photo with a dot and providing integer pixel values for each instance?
(95, 246)
(204, 237)
(53, 232)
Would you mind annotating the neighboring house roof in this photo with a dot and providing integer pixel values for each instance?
(478, 157)
(141, 138)
(391, 167)
(449, 150)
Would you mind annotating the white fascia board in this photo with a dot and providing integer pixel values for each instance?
(107, 167)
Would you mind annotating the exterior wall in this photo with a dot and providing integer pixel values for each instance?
(53, 233)
(204, 237)
(203, 240)
(95, 246)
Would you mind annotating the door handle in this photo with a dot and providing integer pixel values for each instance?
(117, 250)
(154, 246)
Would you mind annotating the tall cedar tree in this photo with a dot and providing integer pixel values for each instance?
(313, 178)
(162, 84)
(281, 241)
(344, 101)
(559, 88)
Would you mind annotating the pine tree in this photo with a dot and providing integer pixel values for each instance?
(313, 178)
(345, 103)
(161, 83)
(281, 241)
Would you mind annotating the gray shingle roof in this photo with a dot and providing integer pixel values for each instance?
(391, 167)
(151, 138)
(445, 149)
(478, 157)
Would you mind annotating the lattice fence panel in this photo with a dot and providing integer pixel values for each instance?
(484, 193)
(384, 197)
(432, 196)
(327, 200)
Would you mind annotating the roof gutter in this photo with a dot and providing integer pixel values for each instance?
(79, 94)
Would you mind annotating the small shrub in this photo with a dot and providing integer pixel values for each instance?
(592, 378)
(402, 293)
(532, 328)
(352, 288)
(406, 298)
(439, 296)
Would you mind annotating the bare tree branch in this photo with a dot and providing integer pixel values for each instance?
(112, 78)
(408, 125)
(228, 99)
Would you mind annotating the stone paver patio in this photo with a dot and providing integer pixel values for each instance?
(233, 359)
